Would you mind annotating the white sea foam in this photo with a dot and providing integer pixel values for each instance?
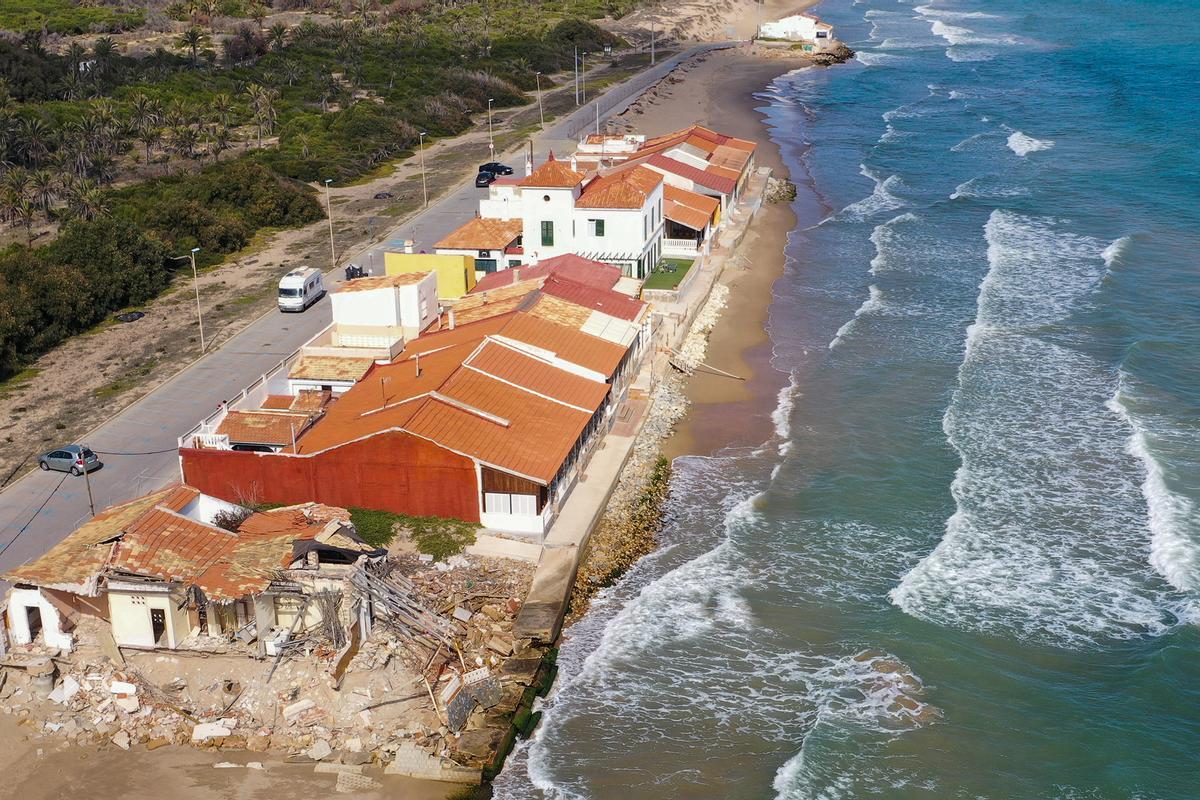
(981, 188)
(1174, 553)
(881, 237)
(931, 11)
(967, 143)
(871, 59)
(781, 417)
(1050, 537)
(1115, 251)
(871, 305)
(1023, 145)
(879, 201)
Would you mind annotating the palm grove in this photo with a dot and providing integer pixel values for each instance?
(121, 162)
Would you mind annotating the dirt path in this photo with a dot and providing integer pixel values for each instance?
(94, 375)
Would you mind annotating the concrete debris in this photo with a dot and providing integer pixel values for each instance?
(320, 750)
(337, 769)
(209, 730)
(121, 740)
(122, 688)
(66, 690)
(348, 783)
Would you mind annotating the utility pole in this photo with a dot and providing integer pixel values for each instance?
(196, 284)
(576, 74)
(652, 33)
(329, 214)
(87, 479)
(491, 139)
(541, 116)
(424, 189)
(597, 116)
(583, 77)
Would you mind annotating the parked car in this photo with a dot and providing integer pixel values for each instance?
(384, 195)
(300, 288)
(484, 179)
(496, 168)
(73, 458)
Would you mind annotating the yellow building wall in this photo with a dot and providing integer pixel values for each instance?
(455, 274)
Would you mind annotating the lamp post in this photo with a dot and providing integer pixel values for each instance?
(329, 215)
(424, 189)
(583, 77)
(491, 139)
(196, 283)
(597, 116)
(576, 74)
(541, 117)
(652, 36)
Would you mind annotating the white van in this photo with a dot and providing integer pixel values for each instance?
(300, 288)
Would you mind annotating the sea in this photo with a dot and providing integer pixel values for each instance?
(967, 563)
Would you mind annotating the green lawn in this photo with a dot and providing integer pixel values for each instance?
(436, 536)
(663, 279)
(63, 16)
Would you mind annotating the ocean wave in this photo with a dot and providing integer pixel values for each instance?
(879, 201)
(873, 304)
(1113, 253)
(968, 142)
(1049, 537)
(1173, 552)
(930, 11)
(1023, 145)
(978, 188)
(781, 417)
(881, 237)
(871, 59)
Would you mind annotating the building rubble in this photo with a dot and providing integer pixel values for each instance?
(395, 694)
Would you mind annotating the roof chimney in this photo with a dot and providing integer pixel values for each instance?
(408, 246)
(452, 319)
(418, 360)
(574, 164)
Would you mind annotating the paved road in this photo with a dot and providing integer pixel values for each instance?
(138, 445)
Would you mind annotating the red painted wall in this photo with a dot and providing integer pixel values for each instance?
(393, 471)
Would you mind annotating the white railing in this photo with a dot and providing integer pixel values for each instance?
(679, 245)
(212, 441)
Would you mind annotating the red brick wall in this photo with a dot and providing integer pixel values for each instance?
(393, 471)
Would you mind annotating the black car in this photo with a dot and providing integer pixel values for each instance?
(496, 168)
(484, 179)
(384, 195)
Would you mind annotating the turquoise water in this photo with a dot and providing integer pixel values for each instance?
(967, 564)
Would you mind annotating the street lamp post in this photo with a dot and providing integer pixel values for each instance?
(541, 117)
(491, 138)
(597, 116)
(652, 32)
(196, 284)
(424, 188)
(576, 74)
(583, 77)
(329, 215)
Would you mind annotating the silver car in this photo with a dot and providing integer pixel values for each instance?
(74, 458)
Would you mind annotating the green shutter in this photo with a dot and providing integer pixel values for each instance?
(547, 234)
(599, 227)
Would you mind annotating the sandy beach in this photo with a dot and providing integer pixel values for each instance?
(719, 91)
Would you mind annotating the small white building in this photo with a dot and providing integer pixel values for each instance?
(494, 243)
(798, 28)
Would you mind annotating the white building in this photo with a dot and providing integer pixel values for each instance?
(617, 219)
(798, 28)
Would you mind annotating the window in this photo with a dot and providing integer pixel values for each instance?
(547, 233)
(645, 227)
(596, 227)
(487, 265)
(545, 198)
(497, 503)
(525, 504)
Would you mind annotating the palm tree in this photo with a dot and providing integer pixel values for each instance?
(277, 35)
(222, 108)
(87, 201)
(193, 39)
(16, 182)
(221, 142)
(258, 13)
(42, 185)
(33, 136)
(24, 211)
(290, 71)
(149, 136)
(104, 50)
(262, 106)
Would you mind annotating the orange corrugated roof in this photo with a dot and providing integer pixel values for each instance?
(537, 438)
(729, 157)
(626, 189)
(567, 265)
(590, 352)
(553, 174)
(474, 307)
(511, 365)
(695, 200)
(470, 331)
(381, 282)
(482, 233)
(264, 427)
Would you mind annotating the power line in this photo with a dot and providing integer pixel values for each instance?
(145, 453)
(35, 513)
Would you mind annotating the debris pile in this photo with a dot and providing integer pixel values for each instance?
(429, 682)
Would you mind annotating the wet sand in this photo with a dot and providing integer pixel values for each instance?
(719, 92)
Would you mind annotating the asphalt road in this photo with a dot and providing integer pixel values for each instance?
(138, 445)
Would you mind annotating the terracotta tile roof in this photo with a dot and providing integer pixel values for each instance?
(329, 368)
(381, 282)
(568, 265)
(513, 366)
(558, 310)
(525, 434)
(706, 138)
(731, 157)
(263, 427)
(281, 402)
(438, 338)
(166, 545)
(569, 344)
(79, 558)
(179, 498)
(606, 301)
(626, 189)
(695, 200)
(482, 233)
(706, 178)
(553, 174)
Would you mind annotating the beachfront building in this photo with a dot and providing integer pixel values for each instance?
(455, 273)
(615, 219)
(178, 569)
(493, 243)
(803, 28)
(489, 416)
(695, 159)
